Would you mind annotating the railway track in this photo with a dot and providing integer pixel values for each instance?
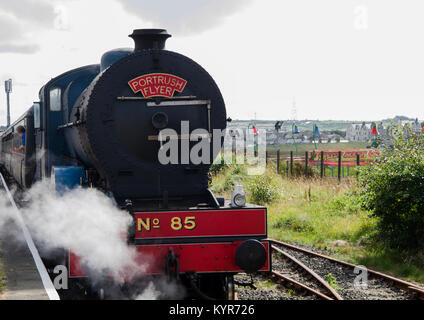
(342, 275)
(323, 290)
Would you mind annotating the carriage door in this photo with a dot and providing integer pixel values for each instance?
(38, 133)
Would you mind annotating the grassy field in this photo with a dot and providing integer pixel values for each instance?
(318, 213)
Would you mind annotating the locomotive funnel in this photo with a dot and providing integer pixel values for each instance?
(149, 39)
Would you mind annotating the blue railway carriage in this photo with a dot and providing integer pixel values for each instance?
(22, 164)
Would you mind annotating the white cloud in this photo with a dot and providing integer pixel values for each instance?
(39, 12)
(185, 17)
(20, 19)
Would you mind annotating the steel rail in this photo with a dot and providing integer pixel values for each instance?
(45, 278)
(311, 272)
(301, 285)
(408, 286)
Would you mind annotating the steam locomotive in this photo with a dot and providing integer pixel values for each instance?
(101, 126)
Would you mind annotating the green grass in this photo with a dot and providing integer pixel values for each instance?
(332, 281)
(267, 284)
(318, 212)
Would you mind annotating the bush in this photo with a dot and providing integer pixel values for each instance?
(298, 169)
(217, 168)
(263, 190)
(393, 189)
(229, 176)
(294, 223)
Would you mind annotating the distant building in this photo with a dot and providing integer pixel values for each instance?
(359, 132)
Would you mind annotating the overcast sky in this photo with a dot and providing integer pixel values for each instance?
(340, 59)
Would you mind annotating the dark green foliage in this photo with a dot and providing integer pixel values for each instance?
(393, 189)
(217, 167)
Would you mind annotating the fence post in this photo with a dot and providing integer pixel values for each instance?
(287, 167)
(339, 172)
(306, 163)
(322, 164)
(358, 163)
(278, 161)
(291, 163)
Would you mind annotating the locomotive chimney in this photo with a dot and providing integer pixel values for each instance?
(149, 39)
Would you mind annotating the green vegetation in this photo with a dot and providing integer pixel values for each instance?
(332, 281)
(393, 188)
(263, 190)
(291, 293)
(320, 212)
(266, 284)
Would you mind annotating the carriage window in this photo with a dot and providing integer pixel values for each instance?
(37, 116)
(55, 99)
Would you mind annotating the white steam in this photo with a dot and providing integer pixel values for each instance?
(87, 222)
(83, 220)
(151, 293)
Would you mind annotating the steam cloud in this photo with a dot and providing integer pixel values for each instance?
(88, 223)
(83, 220)
(185, 17)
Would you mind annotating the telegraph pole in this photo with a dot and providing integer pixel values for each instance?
(8, 89)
